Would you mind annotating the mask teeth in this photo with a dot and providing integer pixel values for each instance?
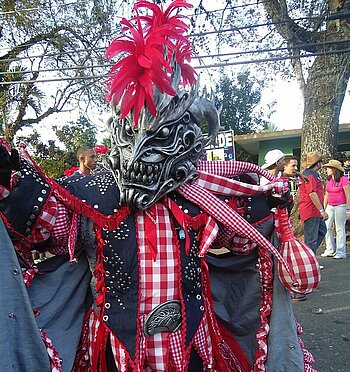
(146, 173)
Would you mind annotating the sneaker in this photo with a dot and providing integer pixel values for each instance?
(325, 254)
(339, 257)
(298, 297)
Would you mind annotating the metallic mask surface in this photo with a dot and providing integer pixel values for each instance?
(157, 156)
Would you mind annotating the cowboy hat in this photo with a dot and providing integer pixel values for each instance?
(334, 164)
(312, 158)
(272, 157)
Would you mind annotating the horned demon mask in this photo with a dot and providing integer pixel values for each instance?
(155, 125)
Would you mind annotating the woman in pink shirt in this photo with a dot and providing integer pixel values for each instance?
(337, 206)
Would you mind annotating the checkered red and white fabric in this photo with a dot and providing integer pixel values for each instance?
(60, 231)
(210, 233)
(94, 323)
(46, 220)
(159, 283)
(224, 186)
(159, 279)
(121, 361)
(302, 260)
(55, 360)
(28, 275)
(232, 168)
(229, 218)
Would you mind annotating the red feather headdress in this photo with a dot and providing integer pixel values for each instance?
(151, 43)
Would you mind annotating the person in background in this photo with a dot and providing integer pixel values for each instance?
(87, 159)
(292, 173)
(337, 205)
(311, 208)
(274, 164)
(347, 168)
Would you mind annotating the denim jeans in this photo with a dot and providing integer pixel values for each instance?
(314, 231)
(337, 216)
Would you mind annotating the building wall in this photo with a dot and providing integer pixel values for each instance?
(289, 146)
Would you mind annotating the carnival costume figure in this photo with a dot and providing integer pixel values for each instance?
(143, 230)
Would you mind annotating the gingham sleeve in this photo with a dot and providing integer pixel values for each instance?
(60, 231)
(46, 221)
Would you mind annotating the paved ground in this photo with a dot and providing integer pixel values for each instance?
(325, 317)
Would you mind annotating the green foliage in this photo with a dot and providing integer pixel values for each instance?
(66, 38)
(240, 102)
(73, 135)
(53, 159)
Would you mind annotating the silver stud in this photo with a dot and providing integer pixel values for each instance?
(105, 318)
(107, 305)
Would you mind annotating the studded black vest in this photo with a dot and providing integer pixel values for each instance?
(121, 266)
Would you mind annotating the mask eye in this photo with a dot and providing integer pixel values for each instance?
(128, 129)
(163, 133)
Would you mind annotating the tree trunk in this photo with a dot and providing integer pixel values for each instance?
(324, 95)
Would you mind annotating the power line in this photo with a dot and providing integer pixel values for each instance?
(273, 59)
(205, 33)
(82, 2)
(98, 77)
(219, 55)
(336, 15)
(41, 8)
(216, 65)
(240, 28)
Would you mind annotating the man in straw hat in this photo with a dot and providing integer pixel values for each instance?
(311, 208)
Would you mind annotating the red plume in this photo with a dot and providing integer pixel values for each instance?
(101, 149)
(149, 43)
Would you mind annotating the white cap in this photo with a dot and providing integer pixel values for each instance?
(272, 157)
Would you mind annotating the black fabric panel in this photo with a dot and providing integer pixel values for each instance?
(98, 190)
(24, 204)
(191, 287)
(191, 278)
(121, 277)
(235, 285)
